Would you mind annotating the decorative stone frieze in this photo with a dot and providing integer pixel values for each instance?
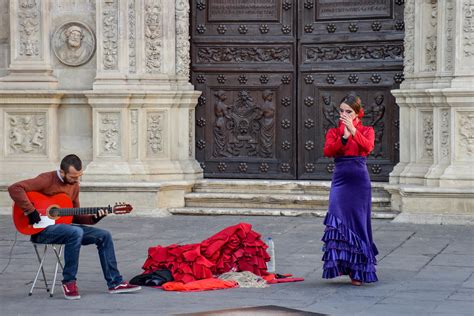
(465, 136)
(183, 47)
(110, 32)
(156, 134)
(153, 35)
(409, 15)
(26, 133)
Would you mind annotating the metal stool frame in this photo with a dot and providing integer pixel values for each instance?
(41, 259)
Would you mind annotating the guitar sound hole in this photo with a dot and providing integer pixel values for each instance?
(53, 212)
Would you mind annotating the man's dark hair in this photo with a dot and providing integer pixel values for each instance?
(71, 160)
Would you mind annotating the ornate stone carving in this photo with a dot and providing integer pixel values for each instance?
(376, 115)
(450, 29)
(73, 43)
(134, 134)
(330, 114)
(353, 52)
(182, 38)
(132, 31)
(431, 37)
(409, 14)
(427, 119)
(468, 28)
(26, 133)
(155, 128)
(444, 134)
(110, 35)
(465, 141)
(109, 134)
(244, 128)
(153, 35)
(243, 54)
(29, 23)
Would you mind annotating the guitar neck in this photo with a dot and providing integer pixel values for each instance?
(80, 210)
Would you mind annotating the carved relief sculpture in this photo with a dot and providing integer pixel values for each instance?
(466, 135)
(427, 135)
(243, 54)
(431, 38)
(445, 148)
(153, 35)
(182, 38)
(267, 130)
(27, 134)
(329, 53)
(29, 24)
(330, 113)
(377, 112)
(73, 43)
(468, 28)
(449, 34)
(110, 35)
(220, 134)
(109, 136)
(243, 128)
(132, 58)
(155, 133)
(409, 15)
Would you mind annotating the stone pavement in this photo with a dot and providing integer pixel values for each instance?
(423, 270)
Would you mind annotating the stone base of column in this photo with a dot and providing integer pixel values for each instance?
(28, 133)
(143, 136)
(428, 205)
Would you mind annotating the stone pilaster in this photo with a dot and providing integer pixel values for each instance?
(436, 111)
(143, 104)
(30, 66)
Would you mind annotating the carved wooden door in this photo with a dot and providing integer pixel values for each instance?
(272, 73)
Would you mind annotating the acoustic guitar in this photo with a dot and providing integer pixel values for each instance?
(57, 209)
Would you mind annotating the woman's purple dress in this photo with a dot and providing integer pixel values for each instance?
(348, 245)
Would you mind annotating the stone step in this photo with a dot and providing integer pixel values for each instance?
(270, 201)
(266, 212)
(275, 187)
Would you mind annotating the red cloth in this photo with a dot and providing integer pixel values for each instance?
(361, 144)
(200, 285)
(236, 247)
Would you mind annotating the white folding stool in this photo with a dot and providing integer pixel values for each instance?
(57, 250)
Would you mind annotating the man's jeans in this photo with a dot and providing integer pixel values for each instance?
(73, 236)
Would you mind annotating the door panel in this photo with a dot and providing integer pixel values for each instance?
(273, 73)
(243, 59)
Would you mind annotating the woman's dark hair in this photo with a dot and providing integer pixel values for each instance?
(71, 160)
(352, 100)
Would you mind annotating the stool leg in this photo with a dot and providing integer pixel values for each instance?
(40, 268)
(58, 263)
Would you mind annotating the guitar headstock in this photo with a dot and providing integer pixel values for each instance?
(122, 208)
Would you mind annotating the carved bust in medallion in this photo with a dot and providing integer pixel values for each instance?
(73, 43)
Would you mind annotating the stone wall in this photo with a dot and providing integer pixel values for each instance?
(107, 80)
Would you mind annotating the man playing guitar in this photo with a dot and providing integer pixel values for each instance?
(66, 180)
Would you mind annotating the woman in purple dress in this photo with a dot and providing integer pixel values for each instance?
(348, 245)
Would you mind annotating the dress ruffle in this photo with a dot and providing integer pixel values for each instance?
(345, 253)
(235, 248)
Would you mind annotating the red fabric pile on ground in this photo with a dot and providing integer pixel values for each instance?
(236, 248)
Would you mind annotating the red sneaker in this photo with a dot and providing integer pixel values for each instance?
(70, 290)
(124, 287)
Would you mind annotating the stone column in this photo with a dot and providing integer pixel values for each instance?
(436, 100)
(30, 66)
(143, 104)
